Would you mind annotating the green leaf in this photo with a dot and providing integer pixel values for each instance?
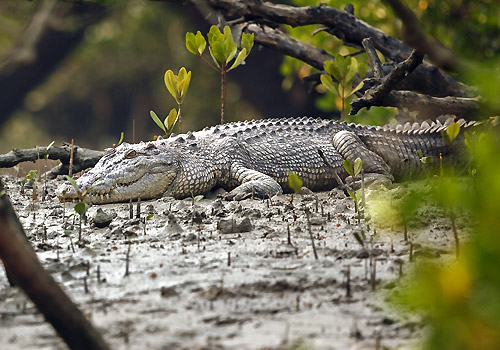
(425, 160)
(157, 121)
(214, 58)
(294, 182)
(121, 138)
(182, 74)
(341, 63)
(73, 183)
(352, 194)
(332, 69)
(191, 43)
(218, 51)
(150, 216)
(201, 43)
(452, 130)
(359, 86)
(2, 193)
(247, 41)
(352, 69)
(230, 47)
(214, 34)
(345, 89)
(170, 120)
(171, 83)
(358, 163)
(32, 175)
(348, 167)
(328, 83)
(198, 198)
(241, 57)
(81, 208)
(184, 85)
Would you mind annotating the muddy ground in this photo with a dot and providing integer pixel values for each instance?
(224, 277)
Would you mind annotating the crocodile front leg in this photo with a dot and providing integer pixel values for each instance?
(252, 184)
(350, 146)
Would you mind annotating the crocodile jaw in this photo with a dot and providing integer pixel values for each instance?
(126, 173)
(147, 186)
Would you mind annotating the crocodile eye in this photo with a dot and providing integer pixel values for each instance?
(131, 154)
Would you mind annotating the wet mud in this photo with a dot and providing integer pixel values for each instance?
(222, 275)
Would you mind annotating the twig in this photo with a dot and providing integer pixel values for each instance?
(70, 171)
(311, 235)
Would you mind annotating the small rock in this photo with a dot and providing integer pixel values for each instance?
(198, 217)
(168, 292)
(57, 211)
(117, 231)
(305, 190)
(102, 219)
(233, 226)
(190, 237)
(317, 220)
(172, 227)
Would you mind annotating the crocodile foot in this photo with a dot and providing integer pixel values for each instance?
(253, 189)
(371, 180)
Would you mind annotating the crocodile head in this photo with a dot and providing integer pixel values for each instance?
(129, 171)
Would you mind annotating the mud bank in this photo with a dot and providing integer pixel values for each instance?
(221, 275)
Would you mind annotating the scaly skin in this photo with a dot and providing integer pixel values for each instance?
(251, 158)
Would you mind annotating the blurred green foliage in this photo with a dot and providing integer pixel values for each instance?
(458, 299)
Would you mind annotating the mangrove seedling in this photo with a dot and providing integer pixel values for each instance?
(81, 207)
(178, 86)
(343, 71)
(294, 182)
(119, 141)
(354, 169)
(223, 50)
(168, 124)
(32, 177)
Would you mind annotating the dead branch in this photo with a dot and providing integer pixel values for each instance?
(83, 158)
(276, 39)
(374, 95)
(23, 266)
(351, 30)
(430, 107)
(383, 94)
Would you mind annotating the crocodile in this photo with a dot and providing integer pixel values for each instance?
(252, 159)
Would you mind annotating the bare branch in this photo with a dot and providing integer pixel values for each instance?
(83, 158)
(374, 95)
(429, 107)
(378, 70)
(344, 26)
(276, 39)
